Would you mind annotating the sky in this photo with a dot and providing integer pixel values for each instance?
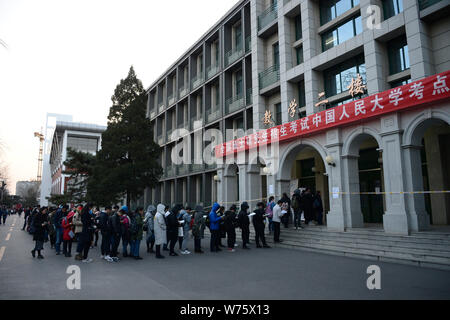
(67, 56)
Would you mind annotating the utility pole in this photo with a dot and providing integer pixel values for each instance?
(41, 152)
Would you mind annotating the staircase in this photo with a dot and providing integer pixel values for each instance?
(425, 249)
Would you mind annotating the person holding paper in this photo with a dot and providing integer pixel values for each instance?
(277, 215)
(244, 224)
(214, 221)
(258, 224)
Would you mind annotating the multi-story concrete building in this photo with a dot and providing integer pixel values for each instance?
(77, 136)
(263, 54)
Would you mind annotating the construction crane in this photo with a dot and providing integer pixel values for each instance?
(41, 152)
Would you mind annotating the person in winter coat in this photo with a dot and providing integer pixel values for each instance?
(86, 234)
(244, 224)
(277, 215)
(308, 200)
(115, 230)
(40, 223)
(125, 230)
(297, 207)
(78, 227)
(102, 224)
(160, 229)
(230, 223)
(172, 228)
(186, 220)
(136, 232)
(214, 221)
(67, 224)
(318, 207)
(198, 226)
(149, 223)
(57, 218)
(258, 224)
(285, 219)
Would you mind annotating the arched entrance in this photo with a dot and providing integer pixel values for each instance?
(428, 152)
(363, 164)
(302, 166)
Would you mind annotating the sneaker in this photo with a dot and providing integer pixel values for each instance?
(109, 259)
(184, 252)
(87, 260)
(231, 250)
(115, 259)
(236, 245)
(173, 254)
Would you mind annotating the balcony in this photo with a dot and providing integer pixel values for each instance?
(249, 96)
(161, 106)
(211, 71)
(268, 16)
(233, 55)
(170, 171)
(196, 122)
(197, 81)
(183, 169)
(196, 167)
(213, 114)
(248, 44)
(423, 4)
(183, 91)
(171, 99)
(234, 103)
(269, 76)
(161, 139)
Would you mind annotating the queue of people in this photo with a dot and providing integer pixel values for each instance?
(164, 228)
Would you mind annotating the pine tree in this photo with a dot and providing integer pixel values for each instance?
(128, 160)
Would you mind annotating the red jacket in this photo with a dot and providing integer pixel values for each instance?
(66, 229)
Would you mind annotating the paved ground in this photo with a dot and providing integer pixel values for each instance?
(256, 274)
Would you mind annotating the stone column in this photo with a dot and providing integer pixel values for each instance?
(395, 219)
(418, 218)
(336, 216)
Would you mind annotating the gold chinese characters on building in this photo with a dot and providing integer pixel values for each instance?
(356, 86)
(268, 118)
(322, 100)
(293, 108)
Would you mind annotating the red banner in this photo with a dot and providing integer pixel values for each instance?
(430, 89)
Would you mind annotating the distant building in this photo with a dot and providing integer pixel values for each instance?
(77, 136)
(24, 187)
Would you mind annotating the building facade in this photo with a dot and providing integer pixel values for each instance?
(261, 56)
(77, 136)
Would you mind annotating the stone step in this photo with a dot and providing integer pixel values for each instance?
(442, 250)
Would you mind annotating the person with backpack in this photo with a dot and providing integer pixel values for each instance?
(269, 212)
(244, 224)
(68, 234)
(149, 227)
(285, 219)
(230, 223)
(160, 229)
(215, 221)
(78, 228)
(136, 232)
(172, 228)
(40, 223)
(258, 224)
(60, 213)
(197, 227)
(125, 230)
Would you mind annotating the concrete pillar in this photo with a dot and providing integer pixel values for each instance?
(352, 203)
(253, 185)
(336, 216)
(395, 219)
(419, 42)
(418, 218)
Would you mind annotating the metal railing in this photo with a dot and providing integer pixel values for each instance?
(196, 167)
(170, 171)
(423, 4)
(171, 99)
(213, 114)
(234, 54)
(161, 106)
(183, 169)
(268, 16)
(197, 81)
(234, 103)
(211, 71)
(161, 139)
(183, 91)
(269, 76)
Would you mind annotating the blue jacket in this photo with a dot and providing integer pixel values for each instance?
(213, 218)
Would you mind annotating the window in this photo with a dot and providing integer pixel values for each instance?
(338, 78)
(341, 33)
(237, 35)
(298, 28)
(299, 55)
(249, 119)
(392, 8)
(278, 117)
(398, 55)
(238, 83)
(301, 94)
(83, 144)
(400, 83)
(330, 9)
(276, 54)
